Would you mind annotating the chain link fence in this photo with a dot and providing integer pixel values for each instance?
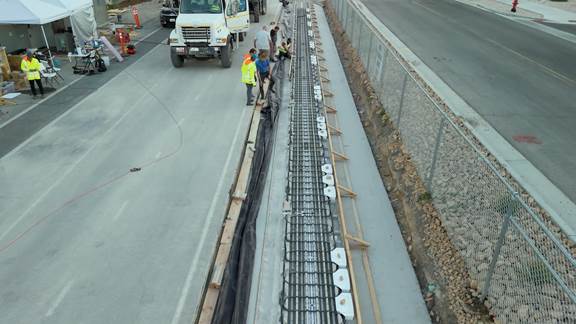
(523, 271)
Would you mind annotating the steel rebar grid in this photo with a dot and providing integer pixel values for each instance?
(309, 291)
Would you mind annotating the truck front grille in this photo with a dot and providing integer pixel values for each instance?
(196, 34)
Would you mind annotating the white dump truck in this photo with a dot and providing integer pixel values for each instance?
(209, 28)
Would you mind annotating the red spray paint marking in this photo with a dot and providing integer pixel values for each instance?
(528, 139)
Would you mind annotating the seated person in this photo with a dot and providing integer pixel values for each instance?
(284, 51)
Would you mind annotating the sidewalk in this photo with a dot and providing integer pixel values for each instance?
(544, 10)
(149, 12)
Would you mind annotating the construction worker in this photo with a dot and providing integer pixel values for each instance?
(31, 66)
(264, 72)
(262, 41)
(249, 76)
(215, 6)
(273, 41)
(248, 56)
(284, 52)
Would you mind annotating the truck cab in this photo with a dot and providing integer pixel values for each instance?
(169, 13)
(208, 28)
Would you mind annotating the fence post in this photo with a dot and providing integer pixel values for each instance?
(498, 248)
(435, 155)
(352, 27)
(369, 51)
(401, 99)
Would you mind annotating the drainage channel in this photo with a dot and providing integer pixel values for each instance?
(316, 285)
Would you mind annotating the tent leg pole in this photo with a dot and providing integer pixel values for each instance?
(47, 45)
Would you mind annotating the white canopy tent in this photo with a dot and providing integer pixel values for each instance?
(40, 12)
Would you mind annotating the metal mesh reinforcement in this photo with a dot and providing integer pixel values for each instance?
(308, 292)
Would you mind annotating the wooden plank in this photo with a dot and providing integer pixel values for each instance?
(217, 275)
(330, 109)
(341, 215)
(346, 192)
(334, 130)
(362, 243)
(339, 156)
(229, 226)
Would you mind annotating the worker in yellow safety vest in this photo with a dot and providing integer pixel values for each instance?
(249, 75)
(31, 66)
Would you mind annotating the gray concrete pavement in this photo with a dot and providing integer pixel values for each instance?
(84, 241)
(267, 277)
(20, 121)
(519, 79)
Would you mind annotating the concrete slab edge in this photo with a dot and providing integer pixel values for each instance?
(560, 208)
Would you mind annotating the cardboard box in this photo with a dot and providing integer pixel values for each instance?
(20, 80)
(4, 64)
(4, 72)
(15, 61)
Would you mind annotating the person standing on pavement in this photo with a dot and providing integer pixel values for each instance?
(247, 57)
(31, 66)
(262, 41)
(249, 76)
(273, 40)
(264, 72)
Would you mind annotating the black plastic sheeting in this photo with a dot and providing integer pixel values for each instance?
(232, 305)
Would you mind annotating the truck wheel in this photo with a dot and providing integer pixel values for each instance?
(263, 7)
(226, 55)
(177, 60)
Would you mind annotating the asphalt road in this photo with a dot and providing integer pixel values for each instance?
(521, 80)
(83, 239)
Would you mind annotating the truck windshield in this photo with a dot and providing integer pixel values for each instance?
(200, 6)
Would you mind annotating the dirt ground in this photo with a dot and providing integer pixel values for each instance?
(450, 295)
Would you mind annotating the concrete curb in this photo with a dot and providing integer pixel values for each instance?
(561, 209)
(535, 23)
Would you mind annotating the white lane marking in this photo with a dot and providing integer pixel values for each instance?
(37, 201)
(157, 155)
(63, 88)
(149, 34)
(205, 226)
(197, 96)
(120, 211)
(39, 102)
(70, 169)
(59, 299)
(181, 121)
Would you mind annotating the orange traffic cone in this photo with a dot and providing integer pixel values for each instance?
(136, 16)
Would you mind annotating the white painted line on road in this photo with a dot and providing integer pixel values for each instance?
(59, 299)
(146, 37)
(63, 88)
(555, 202)
(546, 69)
(70, 169)
(207, 220)
(37, 201)
(39, 102)
(157, 155)
(120, 211)
(198, 96)
(181, 121)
